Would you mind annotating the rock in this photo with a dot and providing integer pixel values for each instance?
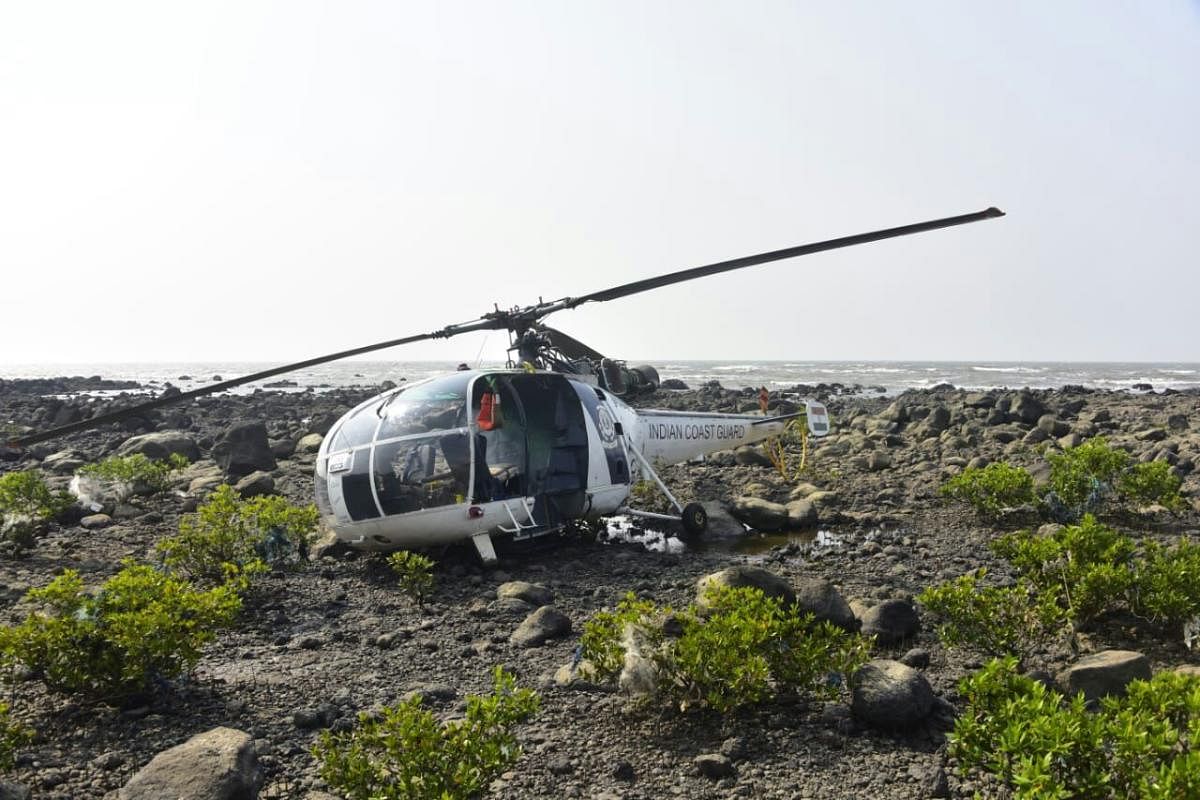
(161, 446)
(751, 456)
(255, 484)
(890, 695)
(721, 524)
(540, 626)
(531, 593)
(283, 448)
(243, 449)
(93, 522)
(327, 544)
(891, 622)
(801, 514)
(430, 692)
(1151, 435)
(1052, 426)
(878, 460)
(917, 658)
(1105, 673)
(560, 765)
(714, 766)
(760, 514)
(818, 597)
(1192, 670)
(217, 765)
(1027, 408)
(1177, 422)
(310, 443)
(741, 576)
(64, 462)
(310, 719)
(673, 383)
(11, 790)
(623, 771)
(936, 785)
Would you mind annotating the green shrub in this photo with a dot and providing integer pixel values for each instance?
(992, 488)
(741, 650)
(1152, 482)
(1042, 746)
(139, 626)
(1082, 477)
(995, 620)
(26, 505)
(1166, 583)
(228, 534)
(1087, 568)
(415, 574)
(137, 473)
(404, 752)
(25, 494)
(13, 736)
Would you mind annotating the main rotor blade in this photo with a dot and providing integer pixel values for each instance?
(159, 402)
(776, 255)
(569, 346)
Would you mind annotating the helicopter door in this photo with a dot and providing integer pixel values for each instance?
(498, 453)
(557, 443)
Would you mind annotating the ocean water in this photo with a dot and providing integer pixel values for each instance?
(890, 376)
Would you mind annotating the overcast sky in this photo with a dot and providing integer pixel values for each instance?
(271, 181)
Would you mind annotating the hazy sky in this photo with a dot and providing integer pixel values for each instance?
(271, 181)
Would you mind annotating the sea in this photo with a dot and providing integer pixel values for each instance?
(882, 377)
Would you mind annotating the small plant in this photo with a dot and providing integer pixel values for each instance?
(140, 626)
(137, 474)
(740, 651)
(26, 505)
(777, 449)
(13, 736)
(1083, 477)
(1166, 583)
(229, 533)
(991, 489)
(996, 620)
(1044, 746)
(404, 752)
(1152, 482)
(415, 573)
(1087, 568)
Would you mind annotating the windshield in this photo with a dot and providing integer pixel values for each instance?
(437, 405)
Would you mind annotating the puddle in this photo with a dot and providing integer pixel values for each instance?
(802, 542)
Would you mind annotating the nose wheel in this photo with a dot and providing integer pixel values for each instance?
(694, 519)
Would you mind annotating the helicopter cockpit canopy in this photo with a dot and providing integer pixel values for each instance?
(467, 437)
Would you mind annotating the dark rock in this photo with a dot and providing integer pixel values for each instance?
(624, 772)
(721, 524)
(891, 622)
(917, 658)
(751, 456)
(11, 790)
(890, 695)
(540, 626)
(714, 766)
(820, 598)
(243, 449)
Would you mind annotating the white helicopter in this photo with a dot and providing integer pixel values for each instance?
(518, 452)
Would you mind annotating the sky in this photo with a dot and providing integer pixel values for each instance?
(261, 181)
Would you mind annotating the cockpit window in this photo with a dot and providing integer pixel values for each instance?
(434, 406)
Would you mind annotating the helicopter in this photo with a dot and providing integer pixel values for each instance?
(522, 451)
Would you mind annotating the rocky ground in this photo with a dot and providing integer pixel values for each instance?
(317, 646)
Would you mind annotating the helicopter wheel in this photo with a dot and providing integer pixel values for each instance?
(694, 519)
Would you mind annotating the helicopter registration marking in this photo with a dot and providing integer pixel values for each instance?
(708, 430)
(341, 462)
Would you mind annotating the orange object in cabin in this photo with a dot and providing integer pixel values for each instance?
(489, 411)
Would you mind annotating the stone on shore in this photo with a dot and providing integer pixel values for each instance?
(1105, 673)
(218, 765)
(890, 695)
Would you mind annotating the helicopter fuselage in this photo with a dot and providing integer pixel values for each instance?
(476, 454)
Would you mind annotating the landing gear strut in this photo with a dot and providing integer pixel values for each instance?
(693, 517)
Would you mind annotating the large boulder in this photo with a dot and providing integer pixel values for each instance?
(542, 625)
(217, 765)
(801, 514)
(820, 598)
(742, 576)
(161, 446)
(890, 695)
(760, 514)
(244, 448)
(1105, 673)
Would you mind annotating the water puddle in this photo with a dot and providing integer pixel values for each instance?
(629, 530)
(798, 542)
